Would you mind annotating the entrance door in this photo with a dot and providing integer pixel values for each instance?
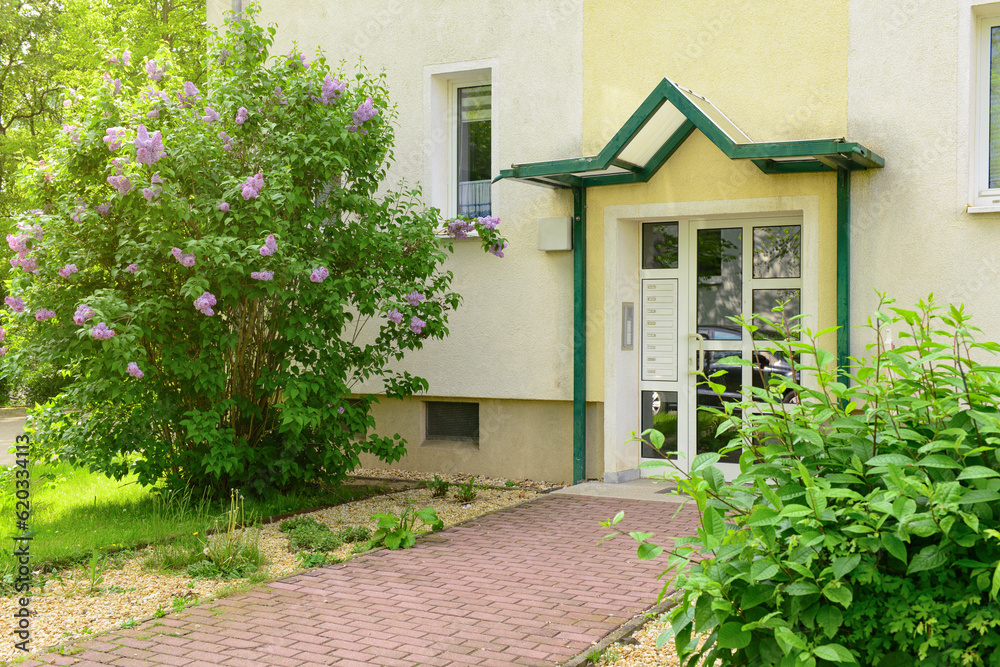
(712, 271)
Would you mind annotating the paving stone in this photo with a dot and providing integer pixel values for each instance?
(527, 585)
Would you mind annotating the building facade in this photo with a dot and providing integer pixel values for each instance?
(660, 166)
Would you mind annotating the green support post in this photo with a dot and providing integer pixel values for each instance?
(579, 334)
(843, 272)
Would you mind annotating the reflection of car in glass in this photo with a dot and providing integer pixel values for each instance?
(768, 365)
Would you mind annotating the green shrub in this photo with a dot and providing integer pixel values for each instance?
(201, 259)
(466, 493)
(400, 532)
(308, 533)
(439, 487)
(863, 527)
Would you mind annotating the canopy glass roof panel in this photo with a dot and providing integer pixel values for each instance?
(661, 124)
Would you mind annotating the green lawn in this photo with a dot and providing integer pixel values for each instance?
(80, 511)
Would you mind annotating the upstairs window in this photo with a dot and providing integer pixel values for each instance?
(473, 143)
(987, 132)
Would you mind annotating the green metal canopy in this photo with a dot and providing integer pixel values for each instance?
(644, 143)
(661, 124)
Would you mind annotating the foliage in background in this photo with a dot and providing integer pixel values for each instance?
(216, 269)
(863, 528)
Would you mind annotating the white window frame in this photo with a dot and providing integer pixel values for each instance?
(453, 118)
(983, 198)
(441, 127)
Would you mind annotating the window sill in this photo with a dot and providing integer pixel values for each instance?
(992, 208)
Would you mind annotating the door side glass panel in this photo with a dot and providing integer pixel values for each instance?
(708, 423)
(659, 411)
(659, 245)
(770, 322)
(720, 281)
(777, 251)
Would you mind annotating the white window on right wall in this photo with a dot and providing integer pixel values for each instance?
(472, 148)
(986, 187)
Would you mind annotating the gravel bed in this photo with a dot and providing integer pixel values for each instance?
(66, 610)
(389, 474)
(639, 650)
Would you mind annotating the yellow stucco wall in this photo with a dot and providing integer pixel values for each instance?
(777, 69)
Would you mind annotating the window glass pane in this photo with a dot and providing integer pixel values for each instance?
(777, 251)
(995, 107)
(659, 411)
(708, 423)
(474, 128)
(659, 245)
(764, 300)
(720, 282)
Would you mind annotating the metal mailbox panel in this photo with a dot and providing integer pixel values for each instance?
(659, 329)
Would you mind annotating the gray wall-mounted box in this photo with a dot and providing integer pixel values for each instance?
(555, 233)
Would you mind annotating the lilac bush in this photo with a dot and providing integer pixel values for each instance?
(201, 260)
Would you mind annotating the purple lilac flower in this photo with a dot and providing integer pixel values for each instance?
(414, 297)
(227, 141)
(395, 316)
(43, 314)
(340, 411)
(103, 209)
(460, 228)
(77, 212)
(82, 314)
(364, 113)
(417, 325)
(319, 275)
(224, 207)
(68, 270)
(18, 243)
(498, 249)
(155, 179)
(155, 73)
(117, 83)
(204, 303)
(252, 186)
(223, 54)
(280, 95)
(211, 115)
(126, 58)
(132, 268)
(148, 148)
(153, 113)
(113, 60)
(3, 351)
(3, 333)
(489, 222)
(102, 332)
(332, 88)
(151, 193)
(133, 370)
(186, 259)
(241, 115)
(270, 245)
(121, 184)
(262, 275)
(29, 264)
(74, 136)
(114, 137)
(189, 95)
(16, 304)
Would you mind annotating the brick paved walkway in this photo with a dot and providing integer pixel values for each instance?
(524, 586)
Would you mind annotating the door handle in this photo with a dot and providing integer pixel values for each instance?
(699, 364)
